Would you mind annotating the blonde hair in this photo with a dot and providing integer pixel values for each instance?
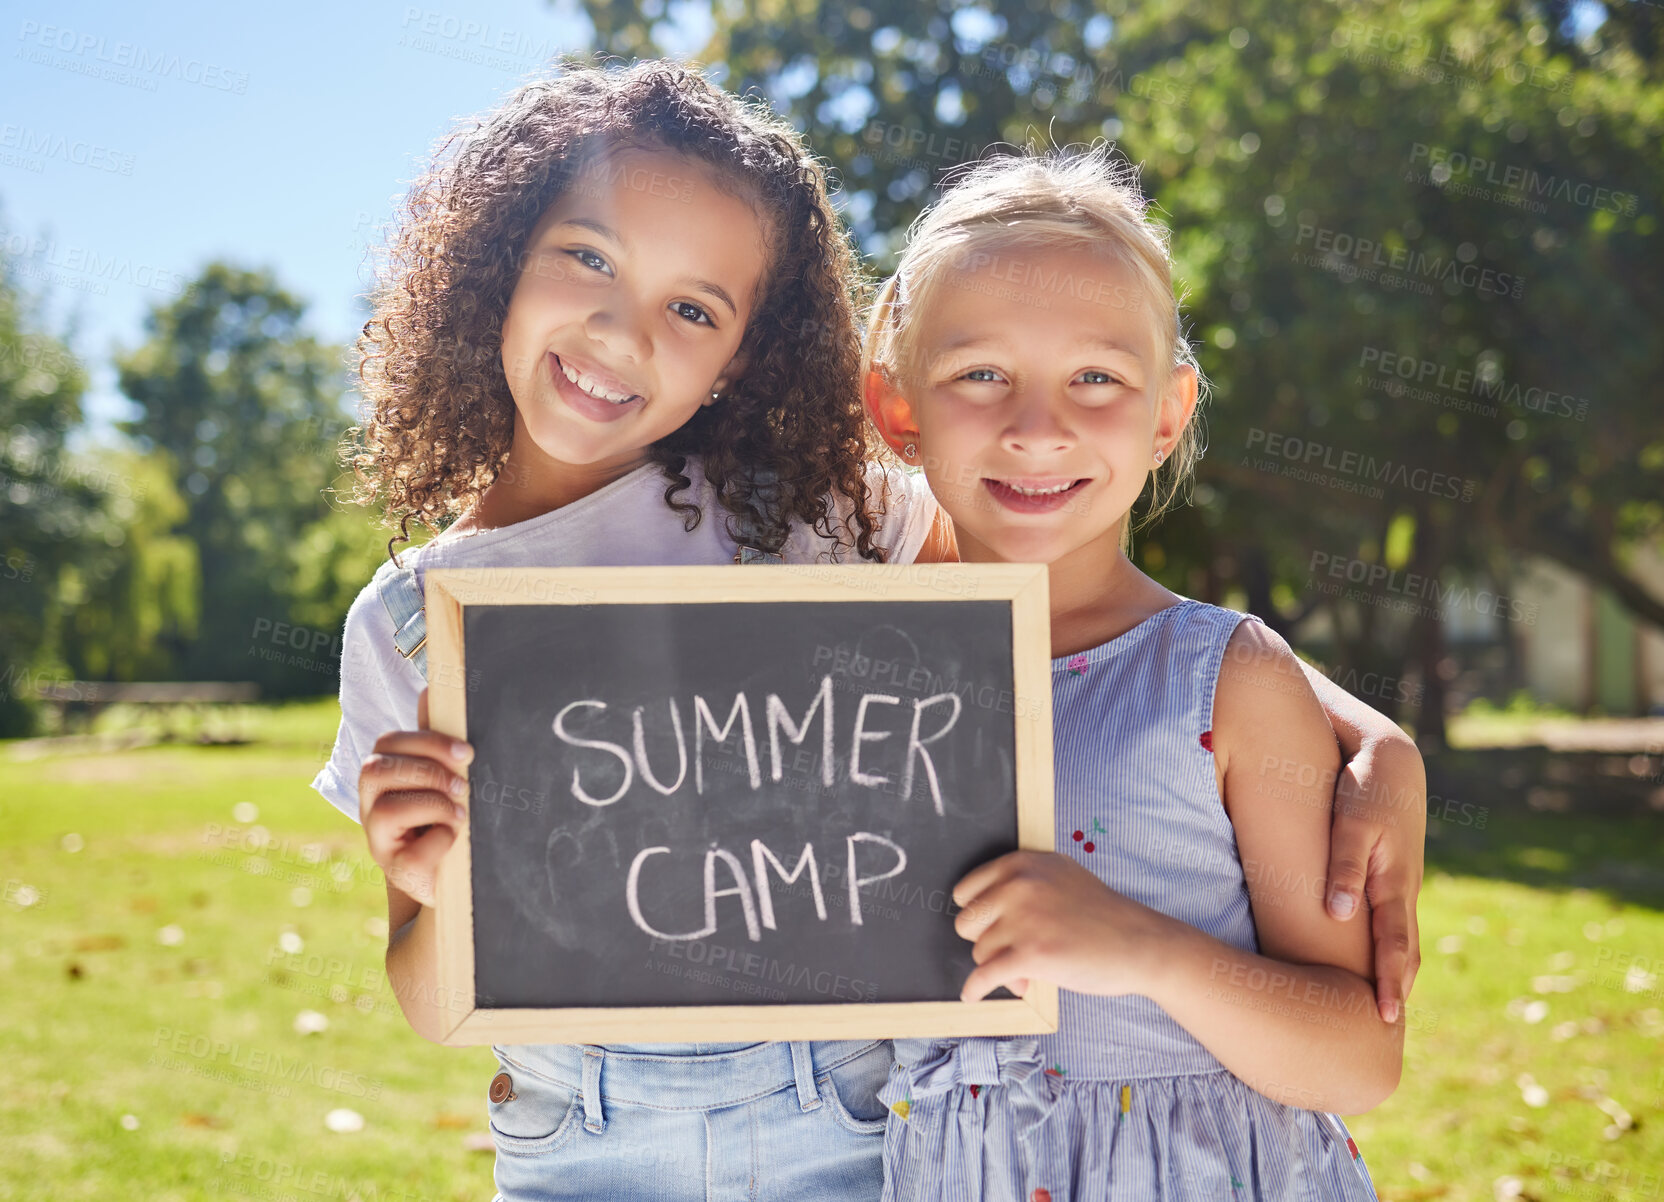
(1040, 200)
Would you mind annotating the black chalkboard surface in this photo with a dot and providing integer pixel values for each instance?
(695, 812)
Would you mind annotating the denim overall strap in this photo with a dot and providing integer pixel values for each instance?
(401, 595)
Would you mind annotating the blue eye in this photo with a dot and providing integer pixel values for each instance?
(988, 372)
(584, 257)
(680, 308)
(1103, 377)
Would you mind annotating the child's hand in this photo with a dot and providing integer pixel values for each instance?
(1378, 837)
(410, 799)
(1040, 914)
(1380, 828)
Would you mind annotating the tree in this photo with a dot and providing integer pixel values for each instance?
(45, 506)
(247, 408)
(1463, 191)
(127, 608)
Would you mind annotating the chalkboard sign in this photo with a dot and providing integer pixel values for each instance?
(724, 803)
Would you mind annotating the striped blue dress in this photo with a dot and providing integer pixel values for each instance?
(1122, 1103)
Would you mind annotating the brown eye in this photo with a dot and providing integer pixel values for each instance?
(584, 257)
(692, 312)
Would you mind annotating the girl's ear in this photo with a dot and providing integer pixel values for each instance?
(729, 376)
(891, 412)
(1177, 403)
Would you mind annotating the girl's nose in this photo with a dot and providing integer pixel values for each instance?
(617, 325)
(1034, 428)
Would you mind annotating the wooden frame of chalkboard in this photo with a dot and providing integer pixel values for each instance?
(467, 608)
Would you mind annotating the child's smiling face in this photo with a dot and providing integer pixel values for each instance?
(1038, 402)
(639, 282)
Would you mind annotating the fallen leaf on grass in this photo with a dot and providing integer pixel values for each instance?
(100, 943)
(453, 1122)
(203, 1120)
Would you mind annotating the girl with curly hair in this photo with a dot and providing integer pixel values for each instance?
(617, 327)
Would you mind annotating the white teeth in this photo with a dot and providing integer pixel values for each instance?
(1040, 492)
(591, 386)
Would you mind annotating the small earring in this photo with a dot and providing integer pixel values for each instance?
(1160, 455)
(715, 395)
(909, 451)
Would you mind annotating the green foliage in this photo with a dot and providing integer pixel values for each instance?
(45, 505)
(129, 606)
(170, 555)
(246, 408)
(1467, 192)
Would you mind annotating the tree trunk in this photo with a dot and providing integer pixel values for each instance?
(1427, 637)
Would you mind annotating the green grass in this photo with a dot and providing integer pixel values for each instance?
(101, 1019)
(1542, 934)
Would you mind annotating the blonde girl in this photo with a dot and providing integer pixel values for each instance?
(1213, 1015)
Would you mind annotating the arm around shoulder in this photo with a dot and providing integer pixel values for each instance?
(1377, 842)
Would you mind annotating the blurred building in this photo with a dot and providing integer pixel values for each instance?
(1585, 651)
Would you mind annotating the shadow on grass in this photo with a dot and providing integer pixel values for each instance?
(1550, 819)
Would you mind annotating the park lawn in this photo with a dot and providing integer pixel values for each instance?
(147, 977)
(196, 1039)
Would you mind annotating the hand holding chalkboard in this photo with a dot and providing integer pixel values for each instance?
(740, 811)
(405, 802)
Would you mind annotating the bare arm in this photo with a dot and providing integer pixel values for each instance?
(1311, 994)
(412, 968)
(1296, 1021)
(411, 808)
(1377, 842)
(1306, 1034)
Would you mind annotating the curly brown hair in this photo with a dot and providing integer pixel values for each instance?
(788, 432)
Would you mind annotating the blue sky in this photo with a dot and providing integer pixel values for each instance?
(135, 146)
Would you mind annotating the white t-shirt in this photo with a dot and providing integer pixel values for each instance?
(626, 523)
